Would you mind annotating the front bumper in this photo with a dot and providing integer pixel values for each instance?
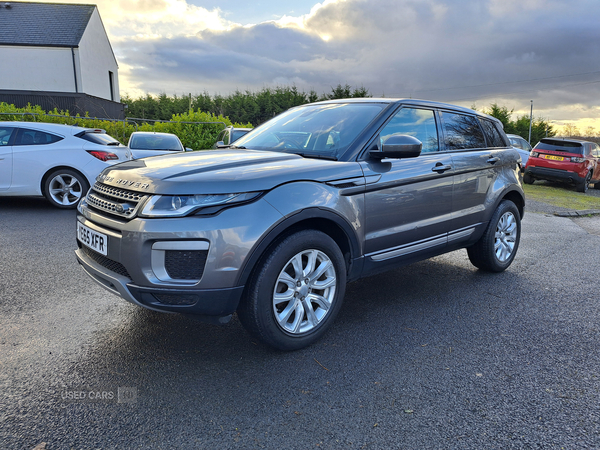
(217, 303)
(187, 265)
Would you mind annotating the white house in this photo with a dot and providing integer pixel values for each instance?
(58, 51)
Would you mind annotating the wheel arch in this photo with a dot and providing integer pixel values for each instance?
(517, 198)
(54, 169)
(325, 221)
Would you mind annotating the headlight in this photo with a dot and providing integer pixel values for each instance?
(181, 205)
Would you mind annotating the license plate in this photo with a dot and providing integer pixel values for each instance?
(92, 239)
(555, 158)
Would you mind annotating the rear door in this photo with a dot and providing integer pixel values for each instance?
(409, 208)
(6, 157)
(476, 169)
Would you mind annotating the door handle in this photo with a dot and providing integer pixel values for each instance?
(440, 168)
(493, 159)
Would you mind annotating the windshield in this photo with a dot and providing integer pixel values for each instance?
(155, 142)
(324, 130)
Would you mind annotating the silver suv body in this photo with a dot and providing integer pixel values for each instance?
(322, 194)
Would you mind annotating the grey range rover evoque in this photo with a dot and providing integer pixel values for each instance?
(276, 225)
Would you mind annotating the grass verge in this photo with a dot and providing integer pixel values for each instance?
(561, 196)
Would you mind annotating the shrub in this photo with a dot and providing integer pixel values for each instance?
(197, 136)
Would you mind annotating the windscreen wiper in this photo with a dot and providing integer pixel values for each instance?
(315, 156)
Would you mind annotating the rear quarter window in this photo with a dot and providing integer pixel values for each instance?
(26, 136)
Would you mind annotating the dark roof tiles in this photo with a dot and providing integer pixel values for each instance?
(43, 24)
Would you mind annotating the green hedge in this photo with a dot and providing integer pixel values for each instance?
(192, 135)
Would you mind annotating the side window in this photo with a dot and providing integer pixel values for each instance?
(221, 136)
(462, 132)
(596, 152)
(419, 123)
(5, 134)
(35, 137)
(492, 135)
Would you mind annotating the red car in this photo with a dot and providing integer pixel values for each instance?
(565, 160)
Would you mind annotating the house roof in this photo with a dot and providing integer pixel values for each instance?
(43, 24)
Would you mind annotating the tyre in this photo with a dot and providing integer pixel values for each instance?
(65, 187)
(496, 249)
(585, 184)
(528, 179)
(296, 291)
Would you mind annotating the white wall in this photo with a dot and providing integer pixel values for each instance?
(36, 69)
(96, 59)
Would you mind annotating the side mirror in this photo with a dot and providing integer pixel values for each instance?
(220, 144)
(398, 146)
(187, 149)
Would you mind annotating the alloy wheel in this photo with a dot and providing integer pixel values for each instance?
(506, 236)
(65, 189)
(304, 292)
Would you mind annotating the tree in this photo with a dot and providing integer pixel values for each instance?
(590, 132)
(502, 114)
(570, 130)
(540, 127)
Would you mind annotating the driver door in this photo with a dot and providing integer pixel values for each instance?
(6, 157)
(409, 208)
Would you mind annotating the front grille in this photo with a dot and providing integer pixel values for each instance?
(114, 201)
(105, 262)
(185, 264)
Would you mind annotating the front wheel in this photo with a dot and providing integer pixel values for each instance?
(528, 179)
(296, 291)
(65, 187)
(496, 249)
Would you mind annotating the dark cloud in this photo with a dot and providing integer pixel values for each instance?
(464, 51)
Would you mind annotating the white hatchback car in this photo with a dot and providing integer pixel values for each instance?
(57, 161)
(149, 143)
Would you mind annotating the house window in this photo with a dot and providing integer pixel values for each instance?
(111, 82)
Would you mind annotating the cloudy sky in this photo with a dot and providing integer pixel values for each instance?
(469, 52)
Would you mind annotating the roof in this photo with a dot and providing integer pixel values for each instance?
(43, 24)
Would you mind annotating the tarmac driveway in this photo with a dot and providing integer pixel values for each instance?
(436, 355)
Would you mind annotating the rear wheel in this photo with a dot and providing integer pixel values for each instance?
(296, 291)
(585, 184)
(496, 249)
(528, 179)
(65, 187)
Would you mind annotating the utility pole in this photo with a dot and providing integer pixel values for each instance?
(530, 121)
